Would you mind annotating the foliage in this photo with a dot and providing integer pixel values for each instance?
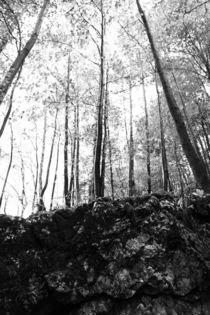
(72, 28)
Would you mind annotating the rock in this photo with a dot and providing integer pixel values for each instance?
(123, 257)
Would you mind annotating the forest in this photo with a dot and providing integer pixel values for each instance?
(102, 98)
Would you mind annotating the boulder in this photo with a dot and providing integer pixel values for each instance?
(136, 256)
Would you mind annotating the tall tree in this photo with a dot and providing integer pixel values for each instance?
(73, 158)
(149, 184)
(66, 137)
(131, 181)
(23, 198)
(55, 175)
(41, 166)
(77, 169)
(98, 150)
(110, 164)
(196, 163)
(104, 147)
(36, 175)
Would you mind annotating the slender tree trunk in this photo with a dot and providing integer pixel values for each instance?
(41, 197)
(105, 112)
(125, 121)
(91, 188)
(166, 181)
(77, 186)
(5, 204)
(131, 184)
(19, 61)
(40, 206)
(73, 157)
(9, 168)
(56, 174)
(98, 151)
(23, 193)
(66, 139)
(149, 184)
(179, 171)
(110, 164)
(196, 163)
(37, 174)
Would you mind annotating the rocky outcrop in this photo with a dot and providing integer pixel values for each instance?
(141, 256)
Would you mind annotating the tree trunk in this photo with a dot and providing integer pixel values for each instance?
(73, 153)
(98, 151)
(56, 174)
(77, 186)
(149, 184)
(166, 181)
(110, 164)
(196, 163)
(19, 61)
(42, 159)
(41, 197)
(23, 193)
(91, 188)
(5, 204)
(179, 170)
(66, 139)
(8, 170)
(124, 116)
(105, 112)
(131, 182)
(36, 176)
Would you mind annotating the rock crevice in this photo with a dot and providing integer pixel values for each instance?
(143, 255)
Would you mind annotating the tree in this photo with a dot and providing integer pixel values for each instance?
(131, 181)
(149, 184)
(98, 151)
(66, 137)
(41, 205)
(41, 166)
(55, 175)
(166, 180)
(196, 163)
(77, 170)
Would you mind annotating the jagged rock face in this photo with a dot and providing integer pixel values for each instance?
(125, 257)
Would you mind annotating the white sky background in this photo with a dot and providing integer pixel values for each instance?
(25, 142)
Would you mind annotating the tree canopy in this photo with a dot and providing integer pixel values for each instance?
(102, 98)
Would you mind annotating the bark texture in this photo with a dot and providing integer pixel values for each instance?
(142, 255)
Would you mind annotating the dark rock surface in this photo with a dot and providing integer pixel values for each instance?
(141, 256)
